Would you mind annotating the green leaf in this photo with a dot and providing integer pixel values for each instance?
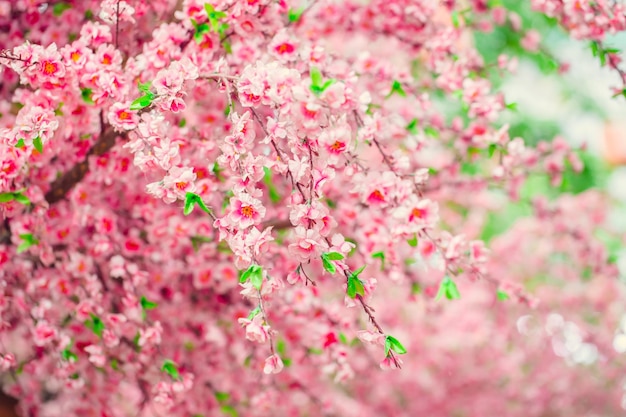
(68, 355)
(416, 288)
(502, 296)
(38, 144)
(395, 345)
(28, 241)
(200, 30)
(254, 312)
(294, 15)
(448, 289)
(95, 324)
(214, 16)
(147, 305)
(145, 87)
(328, 83)
(492, 149)
(512, 106)
(21, 198)
(381, 256)
(86, 94)
(136, 342)
(413, 241)
(222, 397)
(431, 131)
(142, 102)
(191, 199)
(197, 241)
(455, 19)
(20, 143)
(170, 368)
(115, 365)
(267, 180)
(316, 77)
(255, 274)
(396, 88)
(281, 347)
(328, 265)
(358, 271)
(355, 286)
(6, 197)
(230, 410)
(334, 256)
(59, 8)
(343, 339)
(412, 127)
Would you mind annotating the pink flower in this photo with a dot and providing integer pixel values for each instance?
(44, 333)
(121, 117)
(388, 363)
(335, 95)
(51, 67)
(7, 362)
(203, 278)
(283, 46)
(246, 210)
(177, 183)
(273, 365)
(151, 336)
(371, 337)
(96, 355)
(415, 214)
(531, 41)
(256, 331)
(309, 244)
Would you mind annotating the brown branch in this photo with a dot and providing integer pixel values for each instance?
(63, 185)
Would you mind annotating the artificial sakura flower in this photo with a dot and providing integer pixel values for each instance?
(415, 214)
(44, 333)
(96, 355)
(256, 331)
(273, 365)
(246, 211)
(309, 243)
(389, 363)
(121, 117)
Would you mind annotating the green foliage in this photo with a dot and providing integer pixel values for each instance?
(95, 324)
(14, 196)
(448, 289)
(142, 101)
(267, 180)
(412, 127)
(255, 274)
(502, 296)
(38, 144)
(381, 256)
(197, 241)
(318, 85)
(86, 94)
(295, 14)
(396, 88)
(191, 199)
(170, 368)
(391, 343)
(327, 258)
(28, 240)
(59, 8)
(355, 285)
(505, 40)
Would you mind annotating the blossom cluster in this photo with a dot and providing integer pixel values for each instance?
(237, 206)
